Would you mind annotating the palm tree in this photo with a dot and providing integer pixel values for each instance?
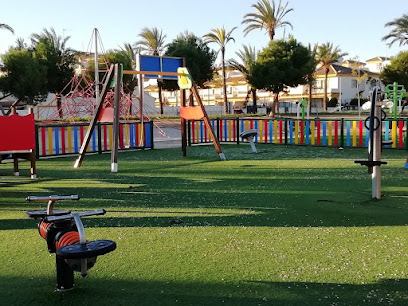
(60, 61)
(310, 77)
(58, 42)
(129, 81)
(248, 57)
(400, 31)
(268, 16)
(130, 53)
(327, 55)
(20, 44)
(152, 42)
(221, 37)
(6, 27)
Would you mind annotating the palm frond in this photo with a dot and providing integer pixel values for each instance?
(268, 16)
(6, 27)
(399, 33)
(152, 41)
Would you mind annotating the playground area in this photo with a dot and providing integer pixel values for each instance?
(291, 225)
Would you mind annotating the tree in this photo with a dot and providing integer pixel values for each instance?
(124, 58)
(6, 27)
(360, 77)
(400, 31)
(268, 16)
(396, 71)
(281, 65)
(327, 55)
(248, 57)
(58, 42)
(310, 77)
(130, 53)
(152, 42)
(25, 77)
(20, 44)
(59, 61)
(221, 38)
(198, 56)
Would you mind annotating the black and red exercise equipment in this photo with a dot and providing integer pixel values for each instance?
(65, 235)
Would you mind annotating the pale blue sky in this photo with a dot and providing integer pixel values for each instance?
(355, 25)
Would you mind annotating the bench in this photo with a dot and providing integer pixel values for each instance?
(18, 140)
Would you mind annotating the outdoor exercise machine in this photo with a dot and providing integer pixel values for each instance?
(395, 93)
(65, 236)
(374, 125)
(301, 106)
(18, 140)
(249, 135)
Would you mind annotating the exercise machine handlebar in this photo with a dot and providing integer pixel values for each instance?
(52, 198)
(71, 216)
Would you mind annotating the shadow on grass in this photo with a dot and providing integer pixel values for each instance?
(94, 291)
(277, 196)
(328, 216)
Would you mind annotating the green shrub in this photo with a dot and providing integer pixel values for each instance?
(333, 102)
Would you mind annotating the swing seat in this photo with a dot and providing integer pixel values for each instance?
(191, 113)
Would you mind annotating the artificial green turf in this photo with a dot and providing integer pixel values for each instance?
(287, 226)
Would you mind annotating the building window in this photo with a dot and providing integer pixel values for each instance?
(318, 84)
(353, 83)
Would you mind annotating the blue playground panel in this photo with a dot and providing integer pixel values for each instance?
(160, 64)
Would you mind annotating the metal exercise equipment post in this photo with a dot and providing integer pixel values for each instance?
(374, 124)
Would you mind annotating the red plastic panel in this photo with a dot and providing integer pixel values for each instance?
(106, 114)
(17, 132)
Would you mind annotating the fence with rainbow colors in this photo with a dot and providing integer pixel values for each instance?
(314, 132)
(64, 139)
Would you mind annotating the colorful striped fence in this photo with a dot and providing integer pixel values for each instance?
(315, 132)
(67, 139)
